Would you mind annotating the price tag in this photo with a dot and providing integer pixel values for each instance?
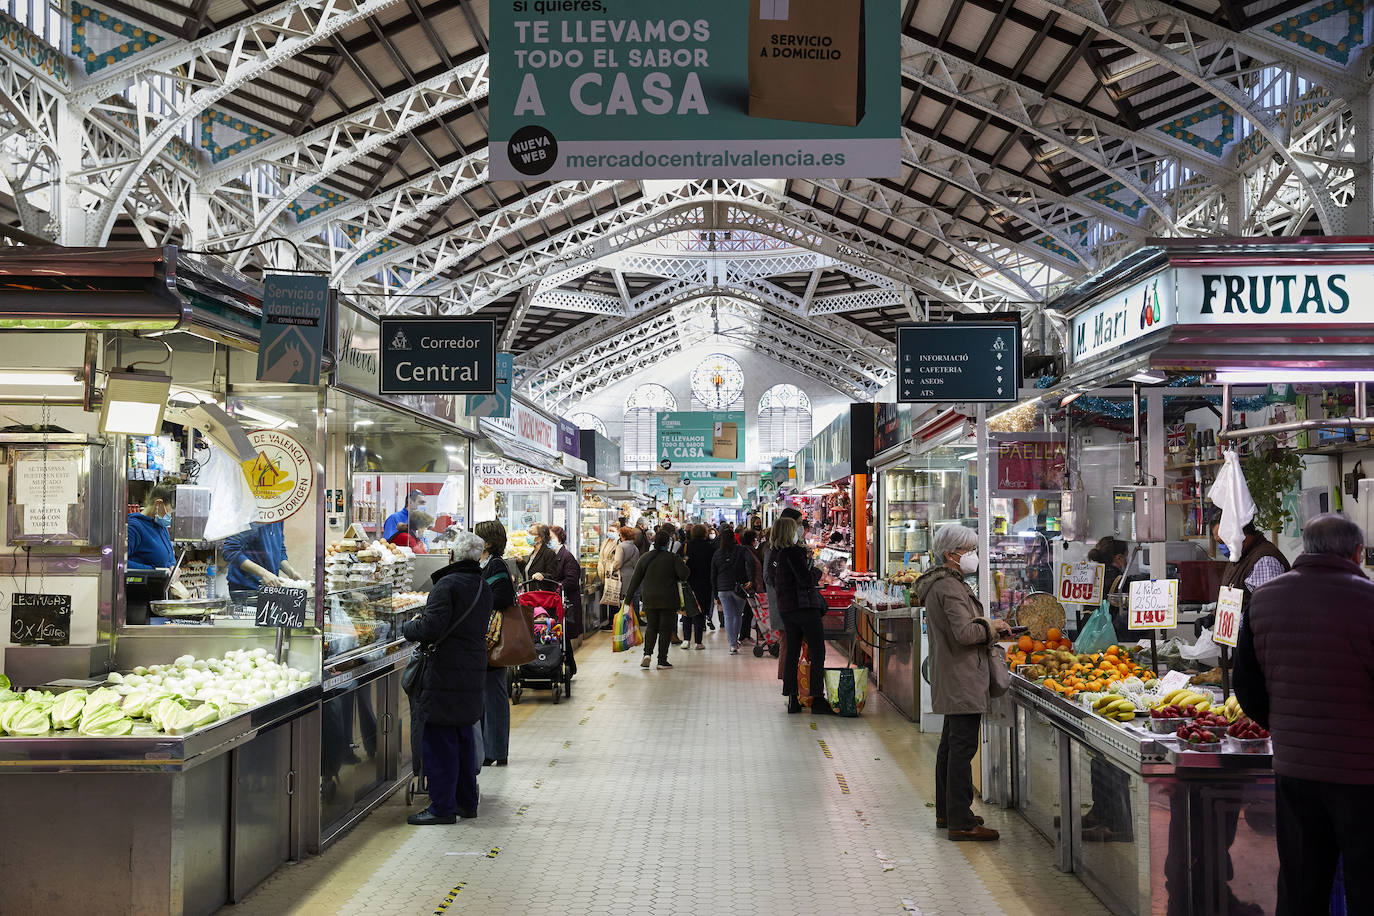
(1154, 604)
(1081, 583)
(40, 620)
(282, 607)
(1228, 616)
(1173, 680)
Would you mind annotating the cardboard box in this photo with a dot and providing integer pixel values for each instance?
(725, 442)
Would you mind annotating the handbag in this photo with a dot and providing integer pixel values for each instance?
(687, 600)
(999, 675)
(413, 677)
(626, 634)
(516, 645)
(610, 591)
(846, 689)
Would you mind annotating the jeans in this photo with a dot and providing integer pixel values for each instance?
(659, 625)
(496, 715)
(451, 768)
(804, 626)
(734, 607)
(1318, 822)
(954, 770)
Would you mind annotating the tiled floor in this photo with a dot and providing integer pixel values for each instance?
(687, 791)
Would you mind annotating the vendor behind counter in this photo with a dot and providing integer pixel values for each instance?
(150, 531)
(257, 557)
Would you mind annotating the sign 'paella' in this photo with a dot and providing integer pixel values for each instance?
(281, 475)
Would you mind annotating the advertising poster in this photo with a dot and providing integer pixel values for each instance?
(1027, 465)
(701, 441)
(656, 89)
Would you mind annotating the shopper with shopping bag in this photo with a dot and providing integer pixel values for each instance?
(658, 573)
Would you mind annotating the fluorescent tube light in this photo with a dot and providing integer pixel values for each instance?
(38, 378)
(265, 417)
(1148, 377)
(133, 402)
(1262, 376)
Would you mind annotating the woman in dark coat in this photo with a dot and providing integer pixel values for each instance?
(541, 569)
(658, 572)
(496, 696)
(790, 573)
(699, 552)
(569, 577)
(449, 702)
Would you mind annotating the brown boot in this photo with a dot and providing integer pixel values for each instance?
(979, 833)
(942, 823)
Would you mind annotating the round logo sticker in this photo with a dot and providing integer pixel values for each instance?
(281, 475)
(533, 150)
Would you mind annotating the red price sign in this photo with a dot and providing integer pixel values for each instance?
(1080, 583)
(1154, 604)
(1228, 616)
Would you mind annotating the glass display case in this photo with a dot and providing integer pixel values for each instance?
(597, 519)
(355, 619)
(920, 497)
(1021, 564)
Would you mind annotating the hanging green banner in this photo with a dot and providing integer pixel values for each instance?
(661, 89)
(701, 441)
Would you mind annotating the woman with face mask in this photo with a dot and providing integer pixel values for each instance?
(541, 569)
(960, 635)
(793, 580)
(150, 531)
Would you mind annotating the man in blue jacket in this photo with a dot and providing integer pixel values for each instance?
(257, 557)
(415, 500)
(150, 531)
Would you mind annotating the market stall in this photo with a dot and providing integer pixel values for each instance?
(168, 712)
(833, 475)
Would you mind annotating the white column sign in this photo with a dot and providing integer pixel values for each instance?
(1228, 616)
(1154, 604)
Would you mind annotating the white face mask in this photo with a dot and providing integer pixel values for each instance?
(968, 563)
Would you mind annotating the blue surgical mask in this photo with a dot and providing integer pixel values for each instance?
(555, 543)
(164, 520)
(1224, 550)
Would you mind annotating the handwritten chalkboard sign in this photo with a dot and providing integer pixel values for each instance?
(281, 607)
(40, 620)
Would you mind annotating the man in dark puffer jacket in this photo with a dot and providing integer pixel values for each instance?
(450, 700)
(1304, 670)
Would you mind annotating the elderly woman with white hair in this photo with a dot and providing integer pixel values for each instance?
(960, 636)
(452, 629)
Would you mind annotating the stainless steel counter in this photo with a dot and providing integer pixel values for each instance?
(1149, 827)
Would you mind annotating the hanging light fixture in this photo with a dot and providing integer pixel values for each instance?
(133, 402)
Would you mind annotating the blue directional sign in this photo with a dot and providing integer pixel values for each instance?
(960, 362)
(497, 404)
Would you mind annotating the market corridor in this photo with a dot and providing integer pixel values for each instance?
(686, 792)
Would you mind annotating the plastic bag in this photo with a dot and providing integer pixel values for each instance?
(232, 506)
(626, 634)
(1098, 633)
(1231, 494)
(846, 689)
(1204, 652)
(804, 677)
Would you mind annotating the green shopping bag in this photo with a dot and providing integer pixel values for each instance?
(846, 689)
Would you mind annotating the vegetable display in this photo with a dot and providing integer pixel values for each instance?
(174, 699)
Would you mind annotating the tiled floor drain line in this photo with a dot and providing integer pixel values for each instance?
(538, 783)
(450, 897)
(825, 749)
(566, 745)
(521, 811)
(863, 819)
(844, 786)
(494, 852)
(603, 696)
(584, 721)
(813, 726)
(553, 762)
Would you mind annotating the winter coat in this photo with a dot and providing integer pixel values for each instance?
(451, 692)
(658, 572)
(730, 568)
(569, 575)
(150, 544)
(606, 560)
(545, 561)
(789, 570)
(700, 553)
(626, 556)
(1303, 669)
(959, 639)
(642, 540)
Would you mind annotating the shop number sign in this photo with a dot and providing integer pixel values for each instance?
(281, 607)
(1081, 583)
(1154, 604)
(1228, 616)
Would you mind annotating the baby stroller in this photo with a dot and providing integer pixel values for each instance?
(550, 669)
(764, 636)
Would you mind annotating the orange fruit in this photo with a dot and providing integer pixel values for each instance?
(1113, 650)
(1055, 633)
(1038, 646)
(1025, 644)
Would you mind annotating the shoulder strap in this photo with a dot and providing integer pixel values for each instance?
(453, 626)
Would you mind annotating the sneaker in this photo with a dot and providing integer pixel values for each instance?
(645, 662)
(734, 650)
(710, 625)
(700, 646)
(664, 664)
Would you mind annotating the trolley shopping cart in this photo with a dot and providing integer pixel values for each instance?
(841, 621)
(765, 638)
(550, 669)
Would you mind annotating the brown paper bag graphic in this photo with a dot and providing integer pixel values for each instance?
(806, 60)
(725, 442)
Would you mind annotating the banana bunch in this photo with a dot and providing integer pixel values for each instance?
(1118, 709)
(1185, 697)
(1231, 710)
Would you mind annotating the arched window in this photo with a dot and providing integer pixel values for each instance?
(784, 422)
(718, 384)
(638, 440)
(585, 420)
